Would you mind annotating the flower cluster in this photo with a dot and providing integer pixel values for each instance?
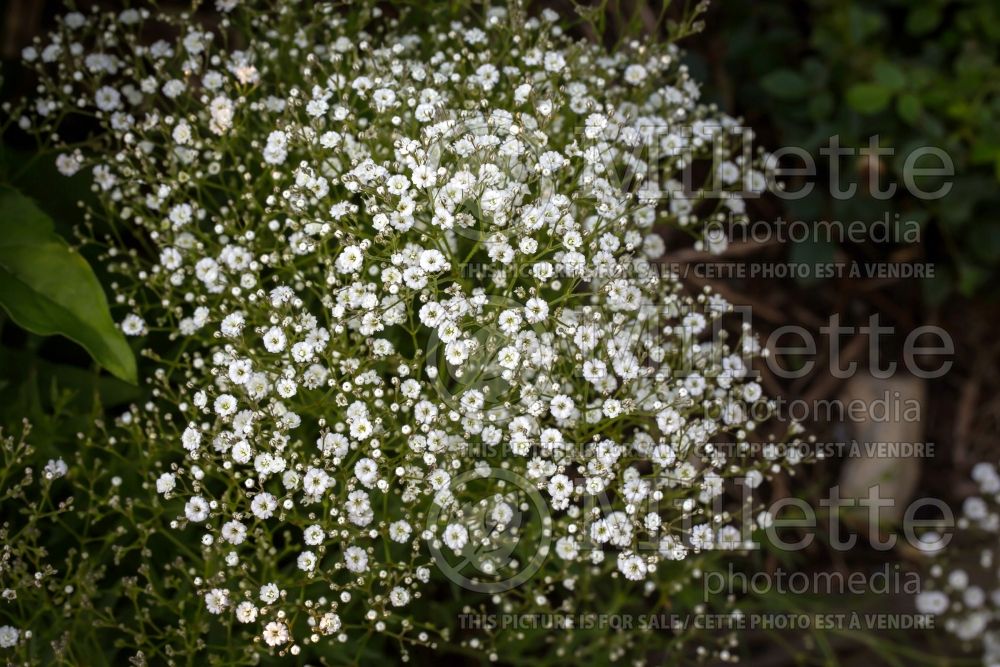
(400, 285)
(965, 593)
(38, 576)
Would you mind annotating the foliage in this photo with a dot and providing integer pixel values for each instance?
(47, 288)
(914, 73)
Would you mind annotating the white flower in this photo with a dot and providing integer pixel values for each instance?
(216, 600)
(182, 133)
(173, 88)
(67, 164)
(635, 74)
(196, 509)
(975, 508)
(932, 602)
(551, 161)
(329, 623)
(399, 596)
(225, 405)
(567, 548)
(702, 536)
(536, 310)
(240, 371)
(274, 340)
(107, 99)
(166, 483)
(263, 505)
(55, 469)
(275, 151)
(554, 61)
(191, 438)
(246, 612)
(350, 259)
(455, 536)
(241, 452)
(306, 561)
(269, 593)
(399, 531)
(133, 325)
(9, 636)
(275, 634)
(314, 535)
(561, 406)
(397, 184)
(560, 486)
(366, 471)
(234, 532)
(383, 98)
(355, 559)
(632, 566)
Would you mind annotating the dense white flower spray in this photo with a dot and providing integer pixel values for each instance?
(399, 281)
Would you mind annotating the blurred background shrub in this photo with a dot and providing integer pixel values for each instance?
(914, 72)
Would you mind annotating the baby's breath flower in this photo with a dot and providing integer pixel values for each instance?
(402, 283)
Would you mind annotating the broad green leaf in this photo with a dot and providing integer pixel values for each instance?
(48, 288)
(785, 84)
(868, 98)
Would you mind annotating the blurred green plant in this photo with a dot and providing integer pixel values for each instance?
(915, 73)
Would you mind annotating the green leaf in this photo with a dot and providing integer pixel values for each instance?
(889, 75)
(864, 23)
(909, 108)
(48, 288)
(785, 84)
(868, 98)
(984, 152)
